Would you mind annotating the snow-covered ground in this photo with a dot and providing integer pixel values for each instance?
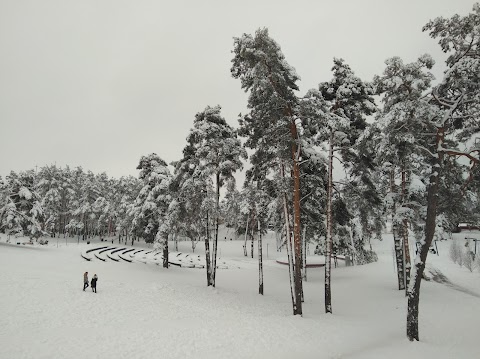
(144, 311)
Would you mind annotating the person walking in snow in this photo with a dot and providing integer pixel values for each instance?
(85, 280)
(94, 283)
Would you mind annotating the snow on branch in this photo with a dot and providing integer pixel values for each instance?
(451, 108)
(454, 152)
(427, 150)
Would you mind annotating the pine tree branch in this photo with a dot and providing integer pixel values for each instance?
(467, 51)
(454, 152)
(426, 150)
(307, 195)
(442, 102)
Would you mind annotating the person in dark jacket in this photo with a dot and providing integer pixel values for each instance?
(94, 283)
(85, 280)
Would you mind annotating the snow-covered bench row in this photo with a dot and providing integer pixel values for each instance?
(312, 261)
(144, 256)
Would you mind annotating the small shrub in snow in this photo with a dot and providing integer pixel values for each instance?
(455, 252)
(468, 259)
(365, 256)
(461, 256)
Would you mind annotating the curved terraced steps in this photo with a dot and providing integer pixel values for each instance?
(129, 255)
(102, 255)
(85, 254)
(124, 255)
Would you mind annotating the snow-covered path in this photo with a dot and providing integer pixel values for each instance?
(142, 310)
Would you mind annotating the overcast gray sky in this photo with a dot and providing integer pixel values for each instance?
(99, 83)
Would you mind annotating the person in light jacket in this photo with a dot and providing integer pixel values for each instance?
(94, 283)
(85, 280)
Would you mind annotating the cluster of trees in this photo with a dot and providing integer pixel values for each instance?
(57, 201)
(463, 255)
(403, 164)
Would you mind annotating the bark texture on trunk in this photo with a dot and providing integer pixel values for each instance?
(260, 260)
(296, 268)
(165, 253)
(406, 247)
(328, 242)
(252, 238)
(207, 254)
(397, 239)
(296, 221)
(215, 240)
(304, 261)
(414, 287)
(288, 243)
(246, 236)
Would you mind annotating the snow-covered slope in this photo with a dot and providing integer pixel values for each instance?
(145, 311)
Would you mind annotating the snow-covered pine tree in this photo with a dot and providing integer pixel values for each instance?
(362, 195)
(313, 201)
(49, 188)
(245, 217)
(10, 220)
(194, 195)
(90, 191)
(342, 105)
(219, 153)
(473, 198)
(84, 195)
(270, 126)
(122, 213)
(314, 172)
(75, 224)
(458, 119)
(253, 203)
(401, 123)
(67, 193)
(103, 204)
(189, 195)
(21, 211)
(230, 207)
(152, 202)
(456, 198)
(172, 224)
(55, 189)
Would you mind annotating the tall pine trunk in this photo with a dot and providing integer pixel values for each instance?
(207, 254)
(246, 236)
(252, 238)
(296, 219)
(175, 240)
(304, 262)
(297, 270)
(260, 259)
(288, 242)
(165, 253)
(328, 242)
(418, 269)
(397, 238)
(215, 240)
(406, 247)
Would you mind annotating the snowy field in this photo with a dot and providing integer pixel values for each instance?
(144, 311)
